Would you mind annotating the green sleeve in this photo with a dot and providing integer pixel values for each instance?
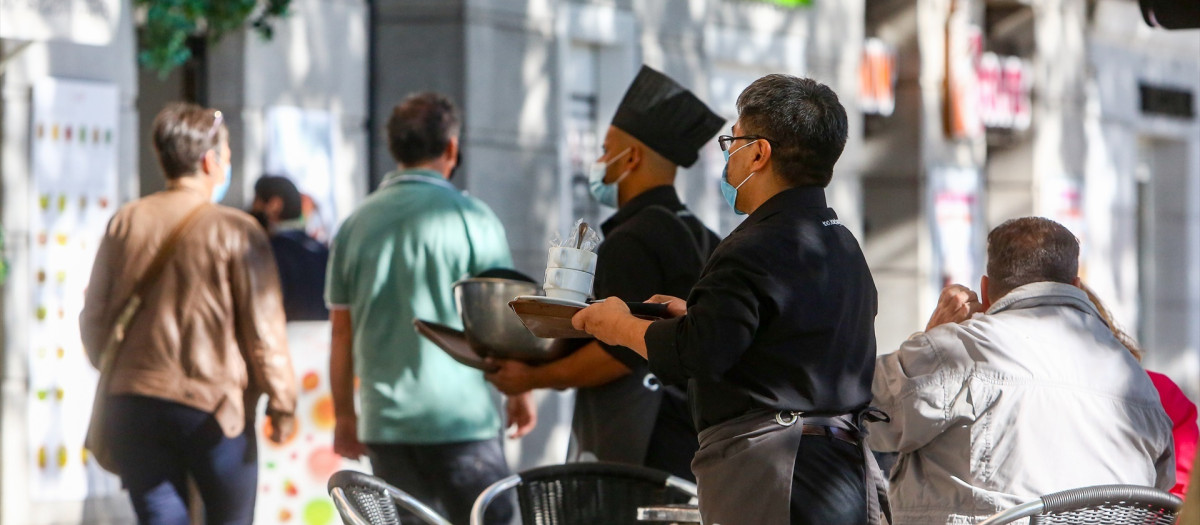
(337, 290)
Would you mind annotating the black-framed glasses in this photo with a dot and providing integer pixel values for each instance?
(725, 140)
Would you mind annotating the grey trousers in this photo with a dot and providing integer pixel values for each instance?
(446, 476)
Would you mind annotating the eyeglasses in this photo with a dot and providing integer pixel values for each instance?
(725, 140)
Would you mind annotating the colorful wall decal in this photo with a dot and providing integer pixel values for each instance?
(69, 171)
(292, 477)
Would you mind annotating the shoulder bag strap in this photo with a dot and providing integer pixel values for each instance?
(134, 302)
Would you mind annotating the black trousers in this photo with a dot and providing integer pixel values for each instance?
(827, 483)
(446, 476)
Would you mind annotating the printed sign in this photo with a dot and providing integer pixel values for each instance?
(74, 193)
(877, 78)
(956, 214)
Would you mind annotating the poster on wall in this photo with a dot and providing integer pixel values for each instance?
(292, 476)
(956, 214)
(960, 97)
(1061, 200)
(74, 192)
(1004, 92)
(300, 145)
(877, 78)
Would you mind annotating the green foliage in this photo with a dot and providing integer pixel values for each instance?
(169, 23)
(791, 3)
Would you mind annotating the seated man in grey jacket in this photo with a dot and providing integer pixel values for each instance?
(1026, 393)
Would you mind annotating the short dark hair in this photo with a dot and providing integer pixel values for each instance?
(1029, 250)
(183, 133)
(804, 121)
(421, 127)
(269, 186)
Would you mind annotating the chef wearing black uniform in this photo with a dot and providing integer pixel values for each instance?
(777, 339)
(652, 245)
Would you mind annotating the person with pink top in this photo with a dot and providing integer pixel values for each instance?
(1180, 409)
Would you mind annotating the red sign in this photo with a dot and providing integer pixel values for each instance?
(1004, 89)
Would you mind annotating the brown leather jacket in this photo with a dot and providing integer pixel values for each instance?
(211, 332)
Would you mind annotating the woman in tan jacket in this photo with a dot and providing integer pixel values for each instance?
(207, 341)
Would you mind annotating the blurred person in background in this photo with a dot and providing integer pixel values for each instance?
(206, 343)
(427, 422)
(1180, 409)
(300, 258)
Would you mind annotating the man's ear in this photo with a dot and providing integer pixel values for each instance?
(984, 297)
(634, 159)
(451, 153)
(1077, 282)
(762, 156)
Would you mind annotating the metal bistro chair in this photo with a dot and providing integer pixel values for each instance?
(1099, 505)
(586, 493)
(362, 499)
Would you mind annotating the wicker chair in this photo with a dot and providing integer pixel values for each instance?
(363, 499)
(586, 493)
(1099, 505)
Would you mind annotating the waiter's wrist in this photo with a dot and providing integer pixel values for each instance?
(633, 334)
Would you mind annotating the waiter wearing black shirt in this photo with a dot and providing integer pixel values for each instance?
(652, 245)
(777, 339)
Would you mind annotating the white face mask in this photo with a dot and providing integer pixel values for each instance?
(605, 193)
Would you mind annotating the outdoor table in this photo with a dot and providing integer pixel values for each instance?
(677, 514)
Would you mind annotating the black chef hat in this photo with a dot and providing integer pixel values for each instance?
(670, 119)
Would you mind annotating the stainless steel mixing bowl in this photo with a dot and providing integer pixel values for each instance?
(492, 328)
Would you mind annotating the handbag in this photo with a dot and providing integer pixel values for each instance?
(97, 442)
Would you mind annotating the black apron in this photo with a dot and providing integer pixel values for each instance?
(614, 421)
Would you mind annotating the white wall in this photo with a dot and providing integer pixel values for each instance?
(113, 63)
(317, 59)
(1123, 52)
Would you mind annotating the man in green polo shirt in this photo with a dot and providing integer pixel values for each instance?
(426, 422)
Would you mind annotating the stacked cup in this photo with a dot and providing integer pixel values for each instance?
(569, 273)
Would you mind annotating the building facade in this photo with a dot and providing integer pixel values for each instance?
(963, 114)
(1069, 109)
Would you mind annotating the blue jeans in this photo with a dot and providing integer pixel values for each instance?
(157, 444)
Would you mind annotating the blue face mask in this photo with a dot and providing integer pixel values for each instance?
(605, 193)
(220, 191)
(728, 190)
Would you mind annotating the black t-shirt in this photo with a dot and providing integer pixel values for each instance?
(782, 318)
(652, 245)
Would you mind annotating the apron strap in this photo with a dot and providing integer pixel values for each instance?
(879, 509)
